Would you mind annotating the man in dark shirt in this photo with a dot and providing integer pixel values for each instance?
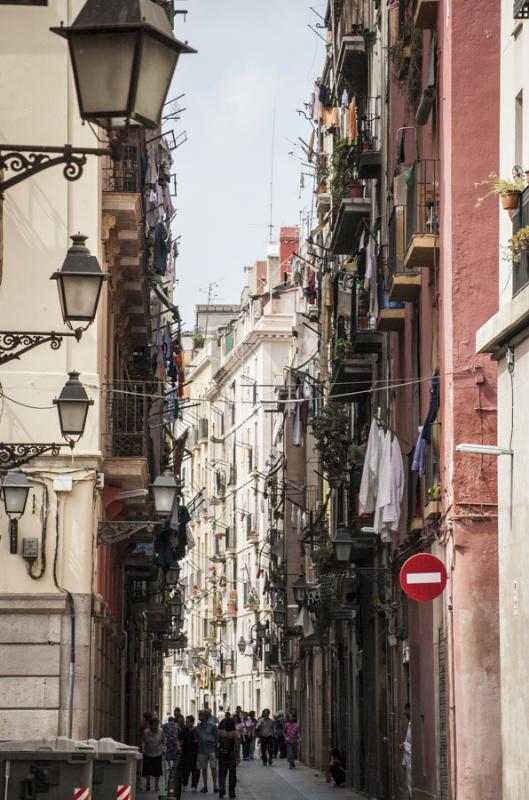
(188, 754)
(228, 750)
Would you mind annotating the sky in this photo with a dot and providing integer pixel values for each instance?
(254, 56)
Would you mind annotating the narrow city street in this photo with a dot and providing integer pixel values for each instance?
(264, 359)
(255, 782)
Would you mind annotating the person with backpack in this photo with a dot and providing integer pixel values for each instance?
(228, 751)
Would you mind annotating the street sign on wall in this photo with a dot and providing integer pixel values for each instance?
(423, 577)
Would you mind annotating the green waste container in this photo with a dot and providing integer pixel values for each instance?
(46, 769)
(115, 770)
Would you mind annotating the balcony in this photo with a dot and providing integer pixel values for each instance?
(127, 443)
(359, 530)
(370, 157)
(351, 19)
(352, 317)
(346, 227)
(352, 379)
(122, 232)
(158, 618)
(425, 16)
(521, 9)
(422, 215)
(404, 286)
(520, 274)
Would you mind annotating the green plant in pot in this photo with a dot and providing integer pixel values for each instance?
(518, 244)
(344, 174)
(332, 439)
(508, 190)
(340, 349)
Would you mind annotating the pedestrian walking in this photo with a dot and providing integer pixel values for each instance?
(406, 751)
(280, 749)
(252, 722)
(179, 718)
(228, 752)
(171, 732)
(188, 754)
(207, 734)
(265, 729)
(248, 725)
(152, 747)
(291, 732)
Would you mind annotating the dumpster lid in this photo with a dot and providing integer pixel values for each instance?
(59, 744)
(109, 747)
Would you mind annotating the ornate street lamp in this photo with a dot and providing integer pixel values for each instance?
(342, 543)
(176, 605)
(79, 281)
(15, 490)
(300, 589)
(242, 645)
(172, 575)
(280, 614)
(72, 405)
(123, 57)
(164, 491)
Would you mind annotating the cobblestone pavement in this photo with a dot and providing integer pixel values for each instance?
(255, 782)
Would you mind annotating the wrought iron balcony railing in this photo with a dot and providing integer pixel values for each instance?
(125, 175)
(127, 407)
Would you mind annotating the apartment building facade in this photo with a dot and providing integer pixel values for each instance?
(83, 599)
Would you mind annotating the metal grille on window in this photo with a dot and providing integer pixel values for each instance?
(520, 272)
(521, 9)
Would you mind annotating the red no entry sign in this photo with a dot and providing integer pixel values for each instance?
(423, 577)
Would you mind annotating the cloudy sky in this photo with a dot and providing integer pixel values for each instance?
(253, 56)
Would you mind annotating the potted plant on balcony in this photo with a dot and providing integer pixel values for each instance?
(344, 180)
(518, 244)
(331, 433)
(508, 190)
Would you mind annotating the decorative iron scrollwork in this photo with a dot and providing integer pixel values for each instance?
(14, 344)
(118, 531)
(14, 454)
(21, 162)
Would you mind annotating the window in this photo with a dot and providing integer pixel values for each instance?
(518, 129)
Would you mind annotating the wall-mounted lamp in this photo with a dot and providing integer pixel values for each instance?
(15, 490)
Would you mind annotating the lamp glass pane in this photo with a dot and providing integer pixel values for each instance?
(103, 63)
(158, 63)
(343, 551)
(80, 296)
(164, 498)
(72, 414)
(15, 499)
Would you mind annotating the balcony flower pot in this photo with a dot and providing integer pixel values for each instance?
(355, 190)
(508, 190)
(510, 201)
(518, 245)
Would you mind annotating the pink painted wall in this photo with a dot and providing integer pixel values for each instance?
(469, 137)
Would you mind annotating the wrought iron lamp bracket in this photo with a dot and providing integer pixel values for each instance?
(14, 454)
(24, 161)
(118, 531)
(14, 344)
